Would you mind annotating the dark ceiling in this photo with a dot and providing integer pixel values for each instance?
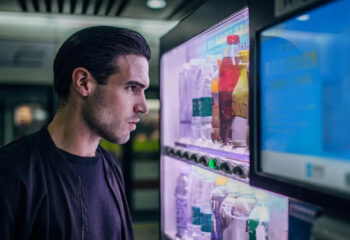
(174, 10)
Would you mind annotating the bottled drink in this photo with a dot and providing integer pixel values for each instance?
(278, 224)
(206, 98)
(228, 79)
(195, 75)
(215, 132)
(206, 224)
(181, 198)
(240, 103)
(217, 197)
(194, 227)
(185, 101)
(243, 206)
(226, 212)
(258, 222)
(205, 210)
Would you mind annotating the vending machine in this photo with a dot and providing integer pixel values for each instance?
(205, 151)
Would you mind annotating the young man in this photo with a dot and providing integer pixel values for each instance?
(58, 183)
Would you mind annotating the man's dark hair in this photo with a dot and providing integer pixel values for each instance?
(96, 49)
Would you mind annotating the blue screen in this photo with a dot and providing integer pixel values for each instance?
(305, 84)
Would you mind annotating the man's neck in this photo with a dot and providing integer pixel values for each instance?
(70, 133)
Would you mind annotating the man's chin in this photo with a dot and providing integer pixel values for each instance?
(118, 139)
(123, 139)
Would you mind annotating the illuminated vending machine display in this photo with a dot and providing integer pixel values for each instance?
(204, 88)
(300, 108)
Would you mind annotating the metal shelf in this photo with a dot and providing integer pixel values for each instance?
(228, 167)
(238, 153)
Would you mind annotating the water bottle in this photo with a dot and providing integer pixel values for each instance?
(206, 98)
(195, 76)
(226, 212)
(258, 222)
(181, 198)
(185, 102)
(243, 206)
(217, 197)
(206, 223)
(194, 227)
(278, 225)
(205, 210)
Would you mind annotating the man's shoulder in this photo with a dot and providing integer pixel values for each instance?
(18, 153)
(17, 147)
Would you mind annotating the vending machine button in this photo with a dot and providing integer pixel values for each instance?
(167, 150)
(238, 170)
(225, 167)
(194, 158)
(172, 152)
(213, 163)
(186, 156)
(203, 160)
(178, 153)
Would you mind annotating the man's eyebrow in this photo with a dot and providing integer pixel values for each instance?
(136, 83)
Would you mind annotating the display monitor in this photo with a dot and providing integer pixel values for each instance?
(303, 103)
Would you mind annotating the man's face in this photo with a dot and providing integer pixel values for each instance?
(113, 109)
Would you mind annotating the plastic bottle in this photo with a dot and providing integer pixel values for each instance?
(206, 214)
(244, 36)
(258, 222)
(195, 75)
(206, 224)
(194, 226)
(240, 103)
(226, 211)
(228, 79)
(243, 207)
(217, 197)
(215, 132)
(181, 198)
(278, 224)
(206, 98)
(185, 102)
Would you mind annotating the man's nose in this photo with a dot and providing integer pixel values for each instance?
(141, 107)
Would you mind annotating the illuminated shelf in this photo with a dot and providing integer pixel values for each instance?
(227, 167)
(238, 153)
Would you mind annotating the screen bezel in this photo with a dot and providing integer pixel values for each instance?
(321, 196)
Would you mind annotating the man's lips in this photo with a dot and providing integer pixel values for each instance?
(132, 124)
(134, 121)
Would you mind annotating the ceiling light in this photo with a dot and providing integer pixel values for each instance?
(156, 4)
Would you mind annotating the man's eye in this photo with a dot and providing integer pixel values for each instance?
(131, 88)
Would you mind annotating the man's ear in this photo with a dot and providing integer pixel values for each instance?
(83, 82)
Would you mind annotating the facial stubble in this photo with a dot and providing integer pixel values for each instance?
(101, 119)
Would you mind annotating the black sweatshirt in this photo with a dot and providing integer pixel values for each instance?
(43, 198)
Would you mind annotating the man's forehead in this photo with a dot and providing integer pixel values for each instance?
(133, 68)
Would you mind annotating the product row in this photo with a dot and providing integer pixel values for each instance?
(214, 97)
(212, 207)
